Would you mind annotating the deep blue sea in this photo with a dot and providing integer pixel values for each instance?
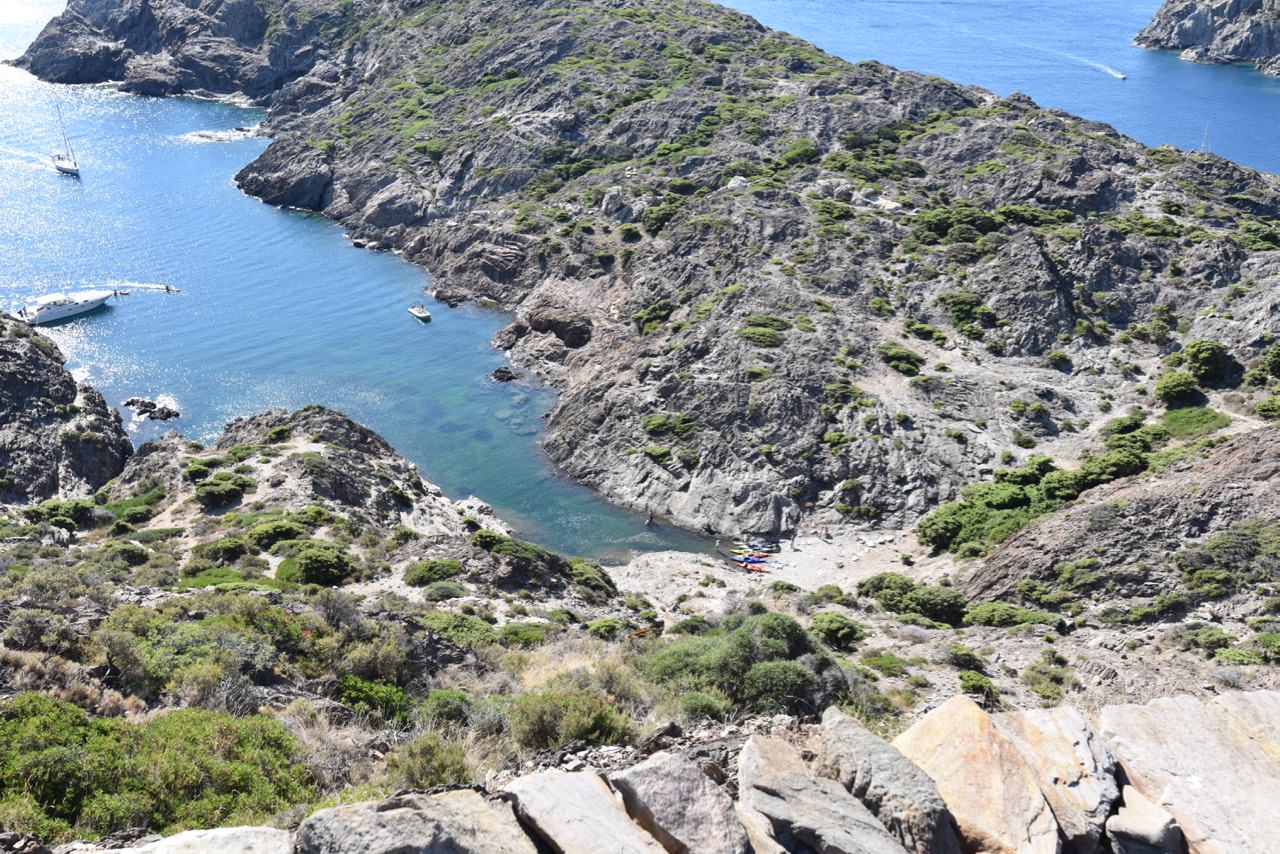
(277, 309)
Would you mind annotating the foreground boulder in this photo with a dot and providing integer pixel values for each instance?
(670, 796)
(804, 812)
(985, 783)
(897, 792)
(1073, 766)
(459, 822)
(241, 840)
(1215, 766)
(578, 812)
(1141, 827)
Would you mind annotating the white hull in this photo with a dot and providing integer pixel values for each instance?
(67, 170)
(51, 311)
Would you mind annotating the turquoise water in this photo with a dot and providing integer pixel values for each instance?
(277, 309)
(1058, 53)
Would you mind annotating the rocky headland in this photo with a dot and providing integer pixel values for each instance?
(766, 281)
(1224, 31)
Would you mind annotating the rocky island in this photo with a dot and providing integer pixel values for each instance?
(1232, 31)
(1024, 366)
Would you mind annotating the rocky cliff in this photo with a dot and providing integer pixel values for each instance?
(58, 438)
(1224, 31)
(766, 281)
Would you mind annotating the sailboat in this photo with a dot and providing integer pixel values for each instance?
(66, 161)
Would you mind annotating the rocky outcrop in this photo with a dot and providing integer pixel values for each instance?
(1021, 781)
(734, 254)
(1214, 766)
(1218, 31)
(58, 438)
(989, 788)
(894, 789)
(670, 796)
(1074, 767)
(461, 822)
(1132, 533)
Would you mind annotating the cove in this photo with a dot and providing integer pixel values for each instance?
(277, 308)
(1062, 55)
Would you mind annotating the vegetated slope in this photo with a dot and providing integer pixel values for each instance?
(1234, 31)
(767, 281)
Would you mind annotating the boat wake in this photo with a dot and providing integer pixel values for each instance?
(1098, 66)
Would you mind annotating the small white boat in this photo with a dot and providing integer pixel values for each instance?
(420, 311)
(66, 161)
(53, 307)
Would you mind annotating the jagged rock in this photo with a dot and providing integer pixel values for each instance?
(1214, 765)
(670, 796)
(504, 374)
(1141, 827)
(577, 812)
(1073, 766)
(460, 822)
(896, 792)
(1216, 31)
(240, 840)
(57, 439)
(777, 796)
(985, 783)
(152, 410)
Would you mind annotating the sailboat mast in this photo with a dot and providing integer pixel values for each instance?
(66, 142)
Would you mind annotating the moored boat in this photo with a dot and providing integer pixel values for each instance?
(420, 311)
(53, 307)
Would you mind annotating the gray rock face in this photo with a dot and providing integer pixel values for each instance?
(641, 240)
(670, 796)
(578, 812)
(1214, 766)
(1141, 827)
(1073, 766)
(1217, 31)
(778, 796)
(57, 439)
(459, 822)
(223, 840)
(894, 789)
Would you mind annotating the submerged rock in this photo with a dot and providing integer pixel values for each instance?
(152, 410)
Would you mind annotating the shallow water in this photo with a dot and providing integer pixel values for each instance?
(276, 308)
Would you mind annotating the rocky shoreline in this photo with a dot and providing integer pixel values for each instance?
(1217, 32)
(776, 277)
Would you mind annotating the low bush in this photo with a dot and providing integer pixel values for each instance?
(317, 563)
(64, 774)
(549, 719)
(605, 628)
(700, 705)
(974, 683)
(460, 628)
(836, 630)
(424, 572)
(1004, 615)
(388, 702)
(428, 761)
(778, 686)
(445, 706)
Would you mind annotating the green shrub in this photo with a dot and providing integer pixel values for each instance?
(1176, 388)
(460, 628)
(428, 761)
(1003, 615)
(550, 719)
(439, 591)
(1211, 638)
(589, 575)
(523, 634)
(425, 572)
(886, 662)
(267, 534)
(445, 706)
(1190, 422)
(1209, 362)
(388, 702)
(695, 625)
(1269, 408)
(836, 630)
(973, 682)
(963, 657)
(605, 628)
(64, 774)
(761, 337)
(778, 686)
(699, 705)
(317, 563)
(1239, 657)
(901, 359)
(940, 604)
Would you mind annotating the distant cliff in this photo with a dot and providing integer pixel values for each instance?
(766, 281)
(1230, 31)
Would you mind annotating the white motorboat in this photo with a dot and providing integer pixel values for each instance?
(420, 311)
(53, 307)
(66, 161)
